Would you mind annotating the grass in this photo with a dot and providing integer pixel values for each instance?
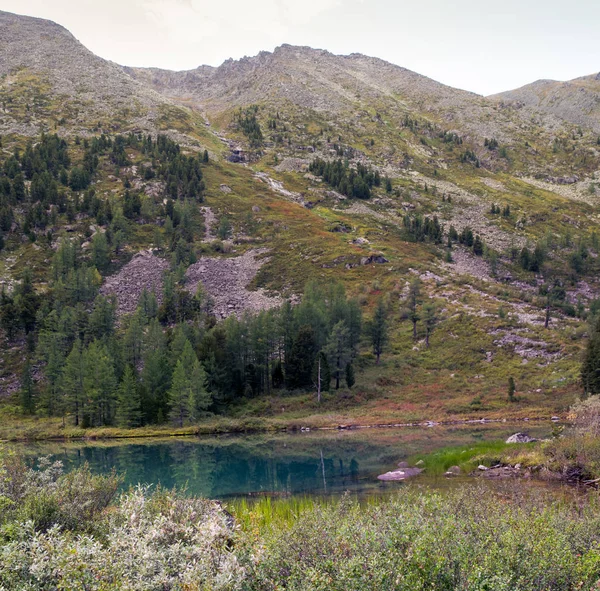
(467, 458)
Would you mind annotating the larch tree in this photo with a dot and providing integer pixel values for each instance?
(378, 330)
(338, 351)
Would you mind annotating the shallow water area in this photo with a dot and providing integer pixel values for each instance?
(278, 465)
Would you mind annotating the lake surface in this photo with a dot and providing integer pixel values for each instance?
(316, 462)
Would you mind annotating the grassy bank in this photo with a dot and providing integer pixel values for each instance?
(294, 412)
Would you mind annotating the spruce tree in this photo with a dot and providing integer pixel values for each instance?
(129, 405)
(180, 395)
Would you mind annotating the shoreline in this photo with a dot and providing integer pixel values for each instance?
(108, 433)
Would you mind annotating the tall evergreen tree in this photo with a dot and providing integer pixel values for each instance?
(180, 395)
(378, 330)
(27, 391)
(350, 379)
(99, 383)
(72, 383)
(129, 411)
(338, 351)
(299, 361)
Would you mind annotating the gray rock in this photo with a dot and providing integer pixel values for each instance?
(520, 438)
(398, 475)
(453, 471)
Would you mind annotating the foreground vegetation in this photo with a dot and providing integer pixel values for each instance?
(71, 531)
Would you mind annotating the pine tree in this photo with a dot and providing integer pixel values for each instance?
(511, 389)
(129, 404)
(378, 330)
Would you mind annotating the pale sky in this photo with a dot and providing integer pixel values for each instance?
(481, 45)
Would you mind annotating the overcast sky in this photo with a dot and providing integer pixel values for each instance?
(480, 45)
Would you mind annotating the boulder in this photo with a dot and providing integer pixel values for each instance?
(397, 475)
(453, 471)
(520, 438)
(375, 258)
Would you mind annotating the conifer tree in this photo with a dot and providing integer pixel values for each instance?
(129, 412)
(27, 391)
(299, 362)
(99, 384)
(350, 379)
(72, 383)
(338, 350)
(378, 330)
(180, 395)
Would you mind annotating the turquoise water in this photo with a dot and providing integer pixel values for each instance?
(275, 464)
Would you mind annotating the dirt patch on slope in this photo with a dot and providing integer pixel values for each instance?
(144, 271)
(227, 280)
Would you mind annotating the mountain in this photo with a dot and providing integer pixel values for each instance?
(318, 80)
(50, 82)
(576, 101)
(266, 173)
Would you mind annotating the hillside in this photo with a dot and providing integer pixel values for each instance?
(349, 186)
(49, 82)
(576, 101)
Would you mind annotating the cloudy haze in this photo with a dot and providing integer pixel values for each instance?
(477, 45)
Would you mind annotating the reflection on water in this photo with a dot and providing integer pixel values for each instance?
(281, 464)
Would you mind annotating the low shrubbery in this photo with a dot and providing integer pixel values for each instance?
(69, 531)
(57, 531)
(471, 539)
